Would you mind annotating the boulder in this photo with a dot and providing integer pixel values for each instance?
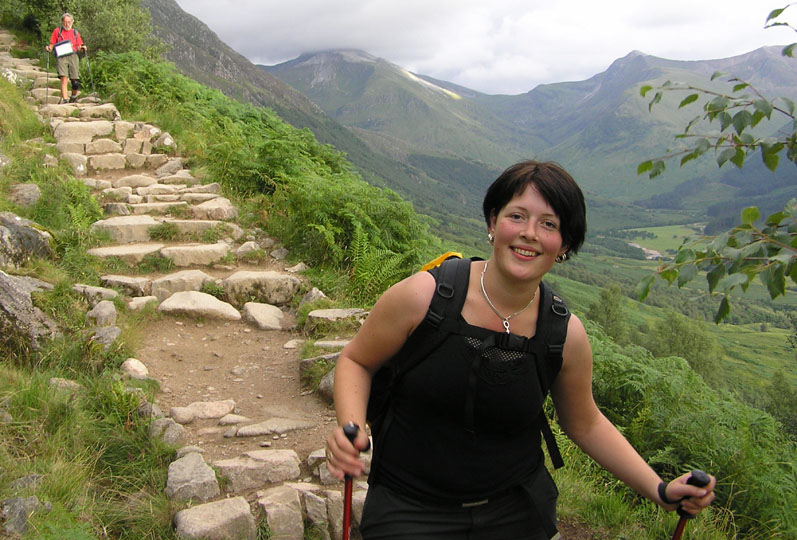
(22, 325)
(219, 520)
(25, 195)
(268, 287)
(191, 479)
(22, 240)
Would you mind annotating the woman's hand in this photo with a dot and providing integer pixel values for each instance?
(697, 498)
(343, 456)
(48, 48)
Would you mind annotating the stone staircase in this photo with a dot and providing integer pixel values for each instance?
(173, 239)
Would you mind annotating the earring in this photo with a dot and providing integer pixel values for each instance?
(490, 237)
(562, 257)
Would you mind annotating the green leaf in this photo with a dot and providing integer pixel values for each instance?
(686, 274)
(725, 155)
(688, 157)
(750, 215)
(732, 280)
(714, 275)
(776, 218)
(725, 120)
(774, 14)
(742, 120)
(658, 168)
(738, 158)
(770, 157)
(685, 255)
(656, 99)
(643, 287)
(784, 257)
(788, 104)
(763, 106)
(740, 86)
(723, 310)
(669, 274)
(789, 50)
(644, 167)
(775, 280)
(645, 89)
(691, 123)
(716, 75)
(691, 98)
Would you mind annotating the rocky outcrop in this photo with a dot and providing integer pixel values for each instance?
(23, 326)
(21, 240)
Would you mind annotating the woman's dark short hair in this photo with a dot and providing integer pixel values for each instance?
(555, 185)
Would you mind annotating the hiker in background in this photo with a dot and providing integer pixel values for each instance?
(66, 41)
(461, 456)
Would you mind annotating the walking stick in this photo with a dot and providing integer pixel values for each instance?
(88, 66)
(699, 479)
(47, 81)
(350, 430)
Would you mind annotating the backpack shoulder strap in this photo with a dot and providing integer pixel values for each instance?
(552, 332)
(451, 288)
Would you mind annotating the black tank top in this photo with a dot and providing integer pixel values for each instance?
(464, 423)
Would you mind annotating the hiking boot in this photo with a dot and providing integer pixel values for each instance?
(62, 101)
(73, 99)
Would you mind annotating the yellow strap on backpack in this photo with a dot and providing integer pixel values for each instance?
(438, 261)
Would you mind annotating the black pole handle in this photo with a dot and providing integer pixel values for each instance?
(700, 479)
(350, 430)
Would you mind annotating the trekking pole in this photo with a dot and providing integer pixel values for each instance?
(47, 80)
(699, 479)
(88, 66)
(350, 430)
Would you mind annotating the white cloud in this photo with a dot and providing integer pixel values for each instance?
(500, 46)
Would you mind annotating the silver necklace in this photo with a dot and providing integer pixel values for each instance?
(504, 319)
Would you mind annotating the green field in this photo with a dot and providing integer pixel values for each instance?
(667, 238)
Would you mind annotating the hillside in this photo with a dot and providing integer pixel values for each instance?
(599, 129)
(198, 53)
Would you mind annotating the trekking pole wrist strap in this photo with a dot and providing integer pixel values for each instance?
(663, 494)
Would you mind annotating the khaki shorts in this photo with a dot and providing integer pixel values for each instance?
(69, 66)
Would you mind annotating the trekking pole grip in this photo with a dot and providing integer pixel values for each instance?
(350, 430)
(700, 479)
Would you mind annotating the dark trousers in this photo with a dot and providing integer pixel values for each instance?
(389, 515)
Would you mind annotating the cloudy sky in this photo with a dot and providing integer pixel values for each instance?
(496, 46)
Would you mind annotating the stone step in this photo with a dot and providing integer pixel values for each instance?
(156, 207)
(198, 304)
(196, 254)
(185, 280)
(126, 229)
(132, 254)
(191, 227)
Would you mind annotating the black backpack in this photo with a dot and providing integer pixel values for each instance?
(440, 320)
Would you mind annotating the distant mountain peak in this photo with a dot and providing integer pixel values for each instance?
(354, 56)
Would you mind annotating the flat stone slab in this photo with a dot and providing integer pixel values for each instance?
(198, 304)
(134, 286)
(83, 132)
(273, 426)
(126, 229)
(199, 254)
(156, 207)
(186, 280)
(218, 208)
(219, 520)
(256, 468)
(193, 226)
(131, 254)
(135, 181)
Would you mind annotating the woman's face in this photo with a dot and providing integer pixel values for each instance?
(527, 236)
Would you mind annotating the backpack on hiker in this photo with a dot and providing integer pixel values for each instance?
(442, 319)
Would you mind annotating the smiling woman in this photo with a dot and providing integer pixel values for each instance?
(478, 393)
